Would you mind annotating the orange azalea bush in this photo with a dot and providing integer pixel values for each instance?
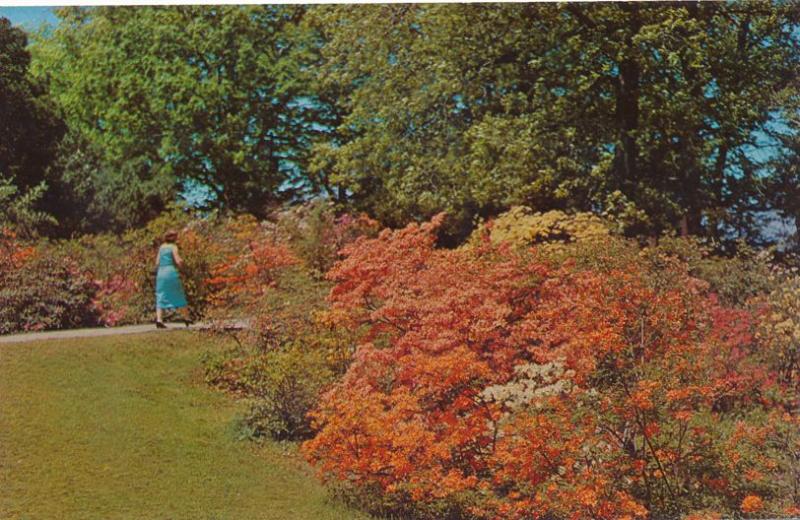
(290, 352)
(492, 383)
(13, 253)
(241, 279)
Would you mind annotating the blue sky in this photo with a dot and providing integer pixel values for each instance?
(30, 18)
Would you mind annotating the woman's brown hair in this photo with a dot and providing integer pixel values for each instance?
(171, 236)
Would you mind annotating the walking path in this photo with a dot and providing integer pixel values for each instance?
(110, 331)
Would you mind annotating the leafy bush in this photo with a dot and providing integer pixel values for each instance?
(287, 355)
(521, 227)
(493, 383)
(280, 387)
(736, 279)
(317, 234)
(779, 330)
(778, 334)
(285, 387)
(42, 292)
(290, 350)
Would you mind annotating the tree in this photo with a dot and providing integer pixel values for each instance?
(207, 96)
(783, 184)
(473, 109)
(29, 133)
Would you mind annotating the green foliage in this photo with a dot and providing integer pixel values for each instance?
(288, 387)
(643, 112)
(28, 123)
(82, 195)
(30, 131)
(18, 211)
(166, 95)
(735, 278)
(316, 234)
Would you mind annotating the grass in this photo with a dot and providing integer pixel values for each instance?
(124, 427)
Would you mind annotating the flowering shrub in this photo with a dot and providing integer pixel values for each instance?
(290, 351)
(241, 279)
(41, 291)
(495, 383)
(586, 238)
(229, 262)
(124, 271)
(317, 234)
(520, 227)
(286, 356)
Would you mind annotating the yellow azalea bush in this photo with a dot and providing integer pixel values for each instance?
(521, 226)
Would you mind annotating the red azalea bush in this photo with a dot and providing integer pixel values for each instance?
(42, 291)
(496, 384)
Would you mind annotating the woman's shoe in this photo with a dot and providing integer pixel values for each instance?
(160, 325)
(187, 321)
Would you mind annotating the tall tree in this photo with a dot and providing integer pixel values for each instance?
(201, 96)
(650, 111)
(29, 132)
(783, 184)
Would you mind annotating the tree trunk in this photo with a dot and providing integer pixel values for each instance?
(627, 105)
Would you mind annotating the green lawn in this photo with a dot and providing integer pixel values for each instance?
(124, 427)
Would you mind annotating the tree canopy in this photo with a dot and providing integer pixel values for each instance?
(29, 132)
(206, 95)
(650, 112)
(660, 116)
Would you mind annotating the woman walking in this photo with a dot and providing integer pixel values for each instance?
(169, 289)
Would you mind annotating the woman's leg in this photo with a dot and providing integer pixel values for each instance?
(159, 315)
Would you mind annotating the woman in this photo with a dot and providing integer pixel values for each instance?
(169, 290)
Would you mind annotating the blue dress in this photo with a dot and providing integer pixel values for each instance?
(169, 290)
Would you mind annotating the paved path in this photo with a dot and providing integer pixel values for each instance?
(109, 331)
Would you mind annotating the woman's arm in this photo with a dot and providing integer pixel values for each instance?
(178, 259)
(158, 257)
